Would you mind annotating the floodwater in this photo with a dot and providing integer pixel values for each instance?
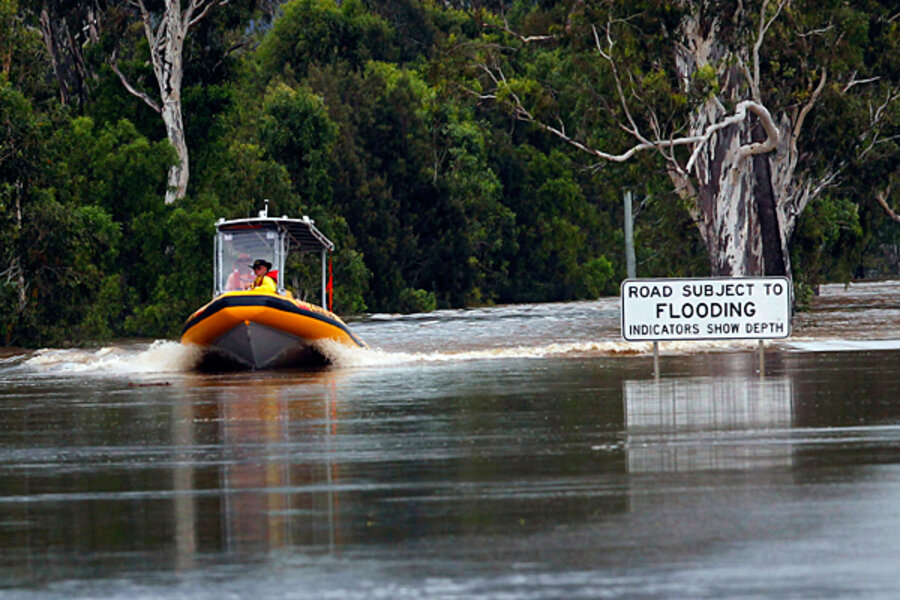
(515, 452)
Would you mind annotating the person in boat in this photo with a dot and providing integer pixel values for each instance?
(263, 282)
(240, 278)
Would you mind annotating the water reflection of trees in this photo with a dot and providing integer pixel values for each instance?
(307, 466)
(268, 465)
(845, 389)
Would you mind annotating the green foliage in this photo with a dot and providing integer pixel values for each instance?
(828, 241)
(561, 237)
(414, 300)
(594, 278)
(245, 177)
(101, 318)
(351, 279)
(20, 135)
(112, 166)
(23, 60)
(369, 117)
(296, 132)
(706, 81)
(65, 255)
(182, 282)
(321, 32)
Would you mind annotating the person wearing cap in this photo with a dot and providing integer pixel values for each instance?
(262, 283)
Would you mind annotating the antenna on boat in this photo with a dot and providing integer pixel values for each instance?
(264, 213)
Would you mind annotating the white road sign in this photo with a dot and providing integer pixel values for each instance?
(706, 309)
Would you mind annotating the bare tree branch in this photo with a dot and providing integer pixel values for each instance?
(114, 64)
(228, 51)
(740, 113)
(814, 32)
(633, 128)
(876, 114)
(853, 81)
(798, 126)
(763, 29)
(882, 197)
(522, 38)
(520, 112)
(203, 6)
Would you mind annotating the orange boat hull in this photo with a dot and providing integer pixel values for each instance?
(258, 330)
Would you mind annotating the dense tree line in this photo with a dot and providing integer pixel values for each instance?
(440, 144)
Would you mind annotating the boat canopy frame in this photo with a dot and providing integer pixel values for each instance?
(281, 235)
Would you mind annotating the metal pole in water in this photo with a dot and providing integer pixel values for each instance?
(656, 359)
(762, 359)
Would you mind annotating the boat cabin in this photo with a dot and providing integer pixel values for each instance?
(239, 242)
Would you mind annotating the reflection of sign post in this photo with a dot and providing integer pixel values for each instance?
(659, 414)
(706, 309)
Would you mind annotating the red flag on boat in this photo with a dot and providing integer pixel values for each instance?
(330, 287)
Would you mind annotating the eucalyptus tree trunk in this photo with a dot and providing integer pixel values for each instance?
(168, 65)
(16, 267)
(68, 28)
(165, 32)
(734, 201)
(745, 204)
(179, 173)
(11, 255)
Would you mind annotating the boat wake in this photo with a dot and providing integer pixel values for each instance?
(166, 356)
(840, 345)
(160, 356)
(343, 356)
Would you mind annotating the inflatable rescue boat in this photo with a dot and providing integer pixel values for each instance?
(257, 329)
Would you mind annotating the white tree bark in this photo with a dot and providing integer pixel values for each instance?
(166, 32)
(732, 193)
(17, 269)
(14, 273)
(167, 47)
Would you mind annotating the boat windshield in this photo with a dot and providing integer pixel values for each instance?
(236, 251)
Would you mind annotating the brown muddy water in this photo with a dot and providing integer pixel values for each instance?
(516, 452)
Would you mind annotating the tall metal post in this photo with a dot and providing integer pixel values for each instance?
(630, 267)
(324, 276)
(217, 268)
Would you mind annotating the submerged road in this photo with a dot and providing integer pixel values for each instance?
(514, 452)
